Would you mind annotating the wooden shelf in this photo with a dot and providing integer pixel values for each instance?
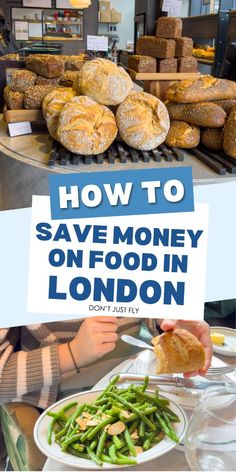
(166, 76)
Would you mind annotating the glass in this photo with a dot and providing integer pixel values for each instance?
(210, 441)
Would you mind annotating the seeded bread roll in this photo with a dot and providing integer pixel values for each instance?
(46, 65)
(13, 100)
(21, 80)
(33, 97)
(183, 135)
(143, 121)
(52, 106)
(178, 351)
(86, 127)
(103, 81)
(205, 114)
(229, 143)
(204, 89)
(212, 138)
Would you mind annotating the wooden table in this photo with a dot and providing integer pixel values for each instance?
(24, 170)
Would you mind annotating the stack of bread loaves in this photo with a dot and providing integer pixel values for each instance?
(203, 109)
(168, 51)
(80, 118)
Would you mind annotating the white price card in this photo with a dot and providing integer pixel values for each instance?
(173, 7)
(19, 129)
(21, 30)
(97, 43)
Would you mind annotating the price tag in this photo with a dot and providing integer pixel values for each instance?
(97, 43)
(19, 129)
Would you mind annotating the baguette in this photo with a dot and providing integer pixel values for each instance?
(227, 105)
(183, 135)
(204, 114)
(204, 89)
(229, 143)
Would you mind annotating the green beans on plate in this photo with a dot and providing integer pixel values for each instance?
(116, 427)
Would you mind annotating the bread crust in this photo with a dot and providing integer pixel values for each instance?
(204, 114)
(212, 138)
(21, 80)
(52, 106)
(183, 135)
(204, 89)
(143, 121)
(86, 127)
(103, 81)
(178, 351)
(229, 143)
(14, 100)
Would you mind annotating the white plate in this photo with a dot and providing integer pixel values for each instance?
(229, 348)
(54, 451)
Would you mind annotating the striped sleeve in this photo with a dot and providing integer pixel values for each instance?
(25, 372)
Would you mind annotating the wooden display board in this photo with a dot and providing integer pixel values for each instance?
(16, 116)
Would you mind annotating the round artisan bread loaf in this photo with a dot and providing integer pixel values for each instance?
(143, 121)
(52, 106)
(104, 81)
(183, 135)
(86, 127)
(178, 351)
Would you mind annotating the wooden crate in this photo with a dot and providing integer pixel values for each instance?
(16, 116)
(158, 83)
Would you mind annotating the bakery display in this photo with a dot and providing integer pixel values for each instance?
(169, 27)
(142, 63)
(14, 100)
(183, 47)
(204, 114)
(143, 121)
(212, 138)
(178, 351)
(206, 88)
(183, 135)
(103, 81)
(86, 126)
(21, 80)
(33, 97)
(160, 48)
(229, 142)
(52, 106)
(45, 65)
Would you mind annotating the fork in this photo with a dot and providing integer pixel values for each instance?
(222, 370)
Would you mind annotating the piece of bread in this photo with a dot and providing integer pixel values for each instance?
(143, 121)
(167, 65)
(169, 27)
(73, 63)
(204, 89)
(229, 143)
(183, 135)
(21, 80)
(68, 78)
(178, 351)
(33, 97)
(183, 47)
(44, 81)
(156, 47)
(86, 127)
(13, 100)
(46, 65)
(205, 114)
(212, 138)
(227, 105)
(103, 81)
(187, 64)
(142, 63)
(10, 57)
(52, 106)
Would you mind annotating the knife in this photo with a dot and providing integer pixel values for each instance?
(169, 380)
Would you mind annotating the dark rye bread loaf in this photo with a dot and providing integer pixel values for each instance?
(204, 114)
(204, 89)
(169, 27)
(183, 47)
(156, 47)
(142, 63)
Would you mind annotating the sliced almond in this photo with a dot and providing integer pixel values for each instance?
(107, 427)
(139, 449)
(87, 415)
(125, 414)
(92, 422)
(81, 423)
(134, 434)
(116, 428)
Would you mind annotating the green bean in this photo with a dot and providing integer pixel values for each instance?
(151, 398)
(141, 429)
(107, 459)
(169, 425)
(135, 410)
(118, 443)
(93, 456)
(123, 460)
(145, 384)
(112, 452)
(130, 443)
(101, 443)
(78, 447)
(76, 453)
(69, 406)
(58, 416)
(112, 382)
(148, 442)
(93, 444)
(50, 430)
(134, 425)
(69, 441)
(164, 426)
(100, 426)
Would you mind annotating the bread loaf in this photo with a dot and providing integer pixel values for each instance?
(143, 121)
(74, 63)
(21, 80)
(45, 65)
(169, 27)
(187, 64)
(156, 47)
(142, 63)
(178, 351)
(33, 97)
(44, 81)
(52, 106)
(167, 65)
(183, 135)
(68, 78)
(227, 105)
(229, 143)
(212, 138)
(204, 89)
(86, 127)
(205, 114)
(183, 47)
(103, 81)
(13, 100)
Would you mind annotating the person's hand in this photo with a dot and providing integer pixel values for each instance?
(201, 330)
(96, 337)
